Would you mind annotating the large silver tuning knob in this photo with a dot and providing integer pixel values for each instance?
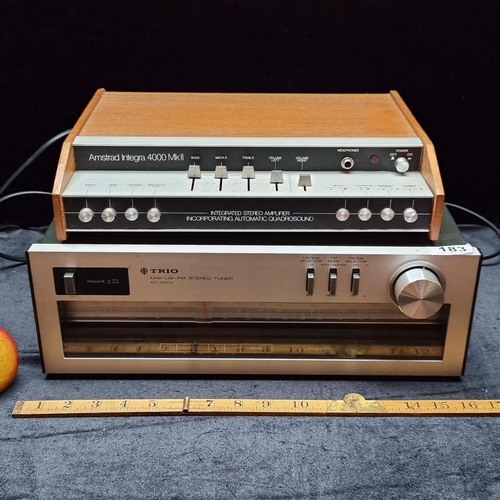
(418, 293)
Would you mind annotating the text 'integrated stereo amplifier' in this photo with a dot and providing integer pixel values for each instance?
(393, 305)
(142, 162)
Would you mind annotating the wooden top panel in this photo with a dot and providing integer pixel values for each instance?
(246, 115)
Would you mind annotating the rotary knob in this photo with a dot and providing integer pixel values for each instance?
(365, 214)
(418, 293)
(154, 214)
(402, 165)
(131, 214)
(108, 214)
(410, 215)
(86, 214)
(387, 214)
(342, 214)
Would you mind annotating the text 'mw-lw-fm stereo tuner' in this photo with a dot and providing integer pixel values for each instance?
(146, 162)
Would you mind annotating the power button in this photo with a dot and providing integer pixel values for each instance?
(69, 283)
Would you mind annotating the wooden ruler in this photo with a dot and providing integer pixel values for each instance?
(350, 405)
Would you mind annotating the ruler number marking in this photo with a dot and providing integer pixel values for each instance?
(412, 406)
(300, 404)
(470, 404)
(443, 405)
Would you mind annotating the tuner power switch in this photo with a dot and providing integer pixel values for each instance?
(418, 293)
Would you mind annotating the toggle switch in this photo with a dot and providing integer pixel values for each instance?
(305, 181)
(355, 277)
(248, 173)
(310, 281)
(276, 178)
(332, 282)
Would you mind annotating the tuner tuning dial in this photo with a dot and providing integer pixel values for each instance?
(418, 293)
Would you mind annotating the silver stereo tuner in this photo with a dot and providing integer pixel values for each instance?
(380, 307)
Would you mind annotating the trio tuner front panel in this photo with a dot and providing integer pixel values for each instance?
(247, 162)
(375, 309)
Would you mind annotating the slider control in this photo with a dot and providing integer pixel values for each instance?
(248, 173)
(194, 172)
(276, 177)
(332, 282)
(305, 181)
(220, 173)
(310, 281)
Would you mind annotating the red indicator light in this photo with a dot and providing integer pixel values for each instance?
(374, 159)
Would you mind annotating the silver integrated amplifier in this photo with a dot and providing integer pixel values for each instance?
(398, 306)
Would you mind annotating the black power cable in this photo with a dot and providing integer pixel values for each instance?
(7, 183)
(486, 221)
